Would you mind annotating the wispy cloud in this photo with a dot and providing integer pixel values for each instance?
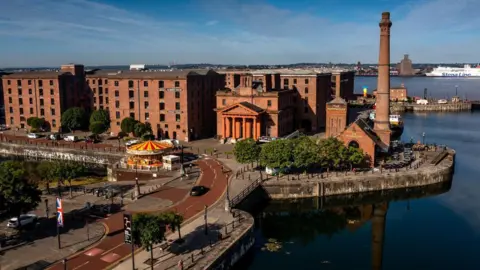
(250, 32)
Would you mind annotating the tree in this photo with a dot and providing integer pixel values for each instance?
(142, 128)
(101, 116)
(330, 152)
(62, 171)
(35, 122)
(247, 151)
(305, 152)
(74, 118)
(355, 157)
(17, 194)
(45, 172)
(97, 127)
(277, 154)
(148, 230)
(174, 220)
(128, 125)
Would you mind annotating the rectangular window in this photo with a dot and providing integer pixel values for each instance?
(9, 91)
(40, 83)
(21, 111)
(117, 94)
(11, 110)
(42, 112)
(132, 105)
(11, 121)
(118, 123)
(52, 111)
(20, 101)
(29, 91)
(29, 82)
(100, 90)
(223, 102)
(294, 81)
(177, 117)
(177, 105)
(31, 110)
(51, 92)
(40, 92)
(106, 81)
(161, 84)
(162, 106)
(285, 82)
(19, 92)
(106, 91)
(306, 81)
(162, 117)
(117, 115)
(10, 100)
(161, 94)
(115, 83)
(19, 83)
(41, 102)
(145, 94)
(51, 82)
(306, 90)
(147, 116)
(54, 123)
(30, 100)
(269, 103)
(146, 104)
(178, 126)
(177, 94)
(117, 104)
(8, 82)
(177, 84)
(130, 84)
(106, 100)
(132, 115)
(131, 94)
(145, 83)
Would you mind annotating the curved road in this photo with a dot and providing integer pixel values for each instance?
(112, 248)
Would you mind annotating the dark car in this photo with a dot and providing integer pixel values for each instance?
(198, 191)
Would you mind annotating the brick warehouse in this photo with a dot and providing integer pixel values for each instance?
(284, 101)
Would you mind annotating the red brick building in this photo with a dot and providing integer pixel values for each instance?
(45, 94)
(178, 104)
(399, 93)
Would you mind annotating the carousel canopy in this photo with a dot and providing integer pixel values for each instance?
(150, 148)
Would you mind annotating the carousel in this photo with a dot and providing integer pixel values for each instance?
(148, 154)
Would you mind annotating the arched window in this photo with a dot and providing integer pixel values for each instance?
(354, 144)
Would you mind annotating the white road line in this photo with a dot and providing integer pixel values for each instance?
(83, 264)
(112, 249)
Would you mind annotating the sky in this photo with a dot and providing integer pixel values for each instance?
(114, 32)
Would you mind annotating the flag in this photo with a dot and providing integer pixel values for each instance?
(59, 212)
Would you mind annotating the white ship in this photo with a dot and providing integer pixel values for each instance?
(466, 71)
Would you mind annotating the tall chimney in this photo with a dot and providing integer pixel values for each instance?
(382, 110)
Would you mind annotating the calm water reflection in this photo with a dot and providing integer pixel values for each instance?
(435, 232)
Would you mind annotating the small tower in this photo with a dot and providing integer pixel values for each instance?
(337, 113)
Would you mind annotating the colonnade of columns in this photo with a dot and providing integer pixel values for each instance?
(241, 127)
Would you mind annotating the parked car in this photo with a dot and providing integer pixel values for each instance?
(33, 135)
(198, 191)
(132, 142)
(71, 138)
(422, 102)
(24, 220)
(54, 137)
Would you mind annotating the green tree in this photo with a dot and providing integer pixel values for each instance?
(355, 157)
(141, 129)
(148, 230)
(247, 151)
(74, 119)
(331, 152)
(35, 122)
(67, 171)
(277, 154)
(101, 116)
(45, 172)
(173, 219)
(97, 128)
(17, 194)
(128, 125)
(305, 152)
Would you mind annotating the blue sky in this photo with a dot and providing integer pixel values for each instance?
(109, 32)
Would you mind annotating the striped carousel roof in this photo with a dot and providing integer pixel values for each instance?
(150, 147)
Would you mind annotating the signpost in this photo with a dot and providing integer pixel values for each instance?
(59, 219)
(127, 228)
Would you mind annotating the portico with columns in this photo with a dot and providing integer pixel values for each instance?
(240, 121)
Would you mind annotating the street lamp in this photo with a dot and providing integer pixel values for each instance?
(423, 138)
(456, 90)
(137, 186)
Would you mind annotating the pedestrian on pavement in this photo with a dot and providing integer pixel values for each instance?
(180, 265)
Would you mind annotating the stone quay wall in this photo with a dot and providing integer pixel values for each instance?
(57, 153)
(449, 107)
(231, 250)
(360, 183)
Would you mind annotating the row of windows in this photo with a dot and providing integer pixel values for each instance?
(29, 82)
(161, 94)
(42, 111)
(30, 101)
(22, 119)
(161, 84)
(147, 116)
(286, 81)
(20, 92)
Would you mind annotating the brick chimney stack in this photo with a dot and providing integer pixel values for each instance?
(382, 110)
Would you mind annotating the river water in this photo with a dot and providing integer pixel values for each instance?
(440, 229)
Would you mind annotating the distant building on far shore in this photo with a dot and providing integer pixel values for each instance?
(405, 67)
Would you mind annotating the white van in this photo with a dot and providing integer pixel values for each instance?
(71, 138)
(442, 101)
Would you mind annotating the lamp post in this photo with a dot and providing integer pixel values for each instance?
(137, 186)
(423, 138)
(456, 90)
(205, 217)
(47, 210)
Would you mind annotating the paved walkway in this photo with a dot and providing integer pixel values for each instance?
(112, 248)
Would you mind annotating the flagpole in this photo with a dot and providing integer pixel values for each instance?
(58, 236)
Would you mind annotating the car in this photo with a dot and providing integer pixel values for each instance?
(24, 220)
(54, 137)
(132, 142)
(33, 136)
(198, 190)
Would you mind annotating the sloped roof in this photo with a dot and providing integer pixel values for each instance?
(251, 106)
(367, 126)
(338, 100)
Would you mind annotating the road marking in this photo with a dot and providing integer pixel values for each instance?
(83, 264)
(112, 249)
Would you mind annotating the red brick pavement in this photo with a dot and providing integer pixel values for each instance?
(212, 177)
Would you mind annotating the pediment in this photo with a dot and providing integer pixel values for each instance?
(239, 110)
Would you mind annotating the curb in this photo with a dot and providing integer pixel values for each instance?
(186, 222)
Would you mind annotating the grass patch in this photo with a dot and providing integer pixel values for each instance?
(81, 181)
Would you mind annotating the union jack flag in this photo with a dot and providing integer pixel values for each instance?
(59, 212)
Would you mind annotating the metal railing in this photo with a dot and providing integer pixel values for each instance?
(242, 195)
